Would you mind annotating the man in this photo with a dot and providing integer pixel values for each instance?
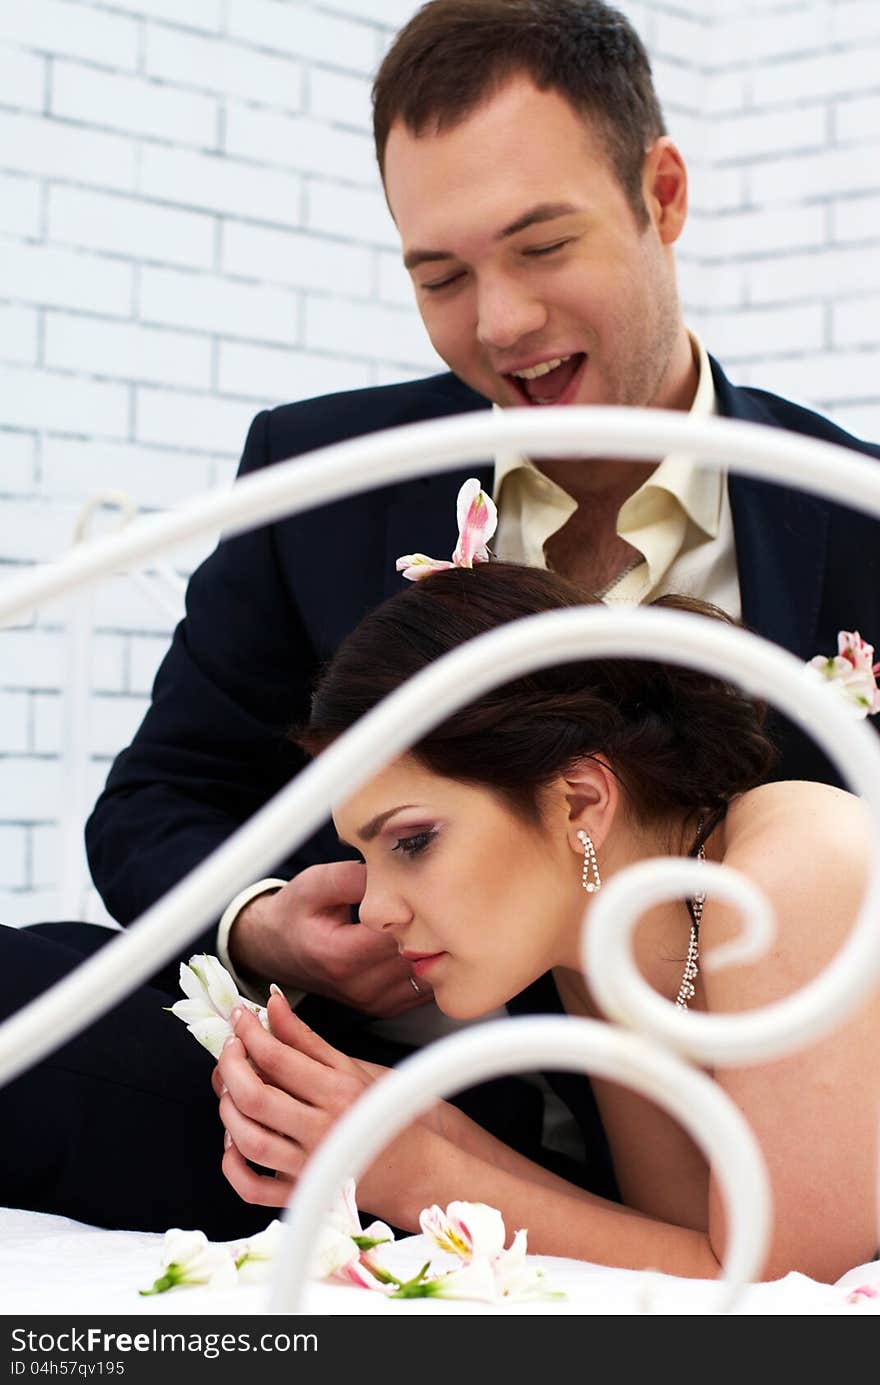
(538, 200)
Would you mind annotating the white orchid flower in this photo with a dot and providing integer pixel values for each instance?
(475, 1233)
(255, 1256)
(348, 1253)
(466, 1229)
(339, 1257)
(211, 998)
(188, 1257)
(344, 1215)
(505, 1278)
(474, 1280)
(515, 1280)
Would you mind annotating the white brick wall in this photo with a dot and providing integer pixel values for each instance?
(191, 229)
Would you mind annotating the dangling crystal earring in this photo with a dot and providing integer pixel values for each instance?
(590, 865)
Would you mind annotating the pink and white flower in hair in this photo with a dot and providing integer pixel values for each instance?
(414, 566)
(477, 517)
(853, 672)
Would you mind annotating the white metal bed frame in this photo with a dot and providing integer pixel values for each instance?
(658, 1058)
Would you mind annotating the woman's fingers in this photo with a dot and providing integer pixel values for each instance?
(262, 1101)
(287, 1067)
(260, 1145)
(291, 1030)
(254, 1187)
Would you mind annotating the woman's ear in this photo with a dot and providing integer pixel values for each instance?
(592, 795)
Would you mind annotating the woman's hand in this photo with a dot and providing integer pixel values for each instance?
(280, 1093)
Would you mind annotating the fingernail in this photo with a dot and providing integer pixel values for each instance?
(227, 1139)
(275, 990)
(235, 1016)
(230, 1039)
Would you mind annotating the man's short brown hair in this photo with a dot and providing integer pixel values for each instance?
(453, 54)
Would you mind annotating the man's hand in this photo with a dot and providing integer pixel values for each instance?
(303, 936)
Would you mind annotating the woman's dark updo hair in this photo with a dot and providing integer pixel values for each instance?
(678, 740)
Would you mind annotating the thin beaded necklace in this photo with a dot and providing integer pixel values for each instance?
(695, 909)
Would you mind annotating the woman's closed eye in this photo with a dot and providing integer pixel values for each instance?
(414, 845)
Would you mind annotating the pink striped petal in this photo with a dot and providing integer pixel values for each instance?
(477, 522)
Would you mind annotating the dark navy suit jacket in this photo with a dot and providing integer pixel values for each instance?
(267, 608)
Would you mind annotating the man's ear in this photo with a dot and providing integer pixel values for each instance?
(592, 795)
(665, 189)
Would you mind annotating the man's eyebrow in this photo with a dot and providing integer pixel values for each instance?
(544, 211)
(413, 258)
(371, 828)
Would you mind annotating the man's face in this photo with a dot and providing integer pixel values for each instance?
(525, 254)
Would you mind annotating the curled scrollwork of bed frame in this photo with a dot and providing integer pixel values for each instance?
(646, 1043)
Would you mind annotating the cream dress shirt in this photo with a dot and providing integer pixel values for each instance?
(678, 520)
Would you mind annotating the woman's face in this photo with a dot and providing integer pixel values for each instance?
(481, 901)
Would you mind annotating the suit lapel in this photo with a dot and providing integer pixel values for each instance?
(781, 537)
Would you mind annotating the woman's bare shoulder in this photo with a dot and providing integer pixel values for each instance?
(807, 847)
(791, 809)
(808, 839)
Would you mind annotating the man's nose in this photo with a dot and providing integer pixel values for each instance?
(507, 312)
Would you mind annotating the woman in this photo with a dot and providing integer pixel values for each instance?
(477, 845)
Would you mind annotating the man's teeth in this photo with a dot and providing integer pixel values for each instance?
(533, 372)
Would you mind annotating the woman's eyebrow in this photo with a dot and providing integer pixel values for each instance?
(370, 829)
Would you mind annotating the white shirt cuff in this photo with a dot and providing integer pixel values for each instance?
(259, 994)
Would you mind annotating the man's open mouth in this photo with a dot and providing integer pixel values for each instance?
(551, 382)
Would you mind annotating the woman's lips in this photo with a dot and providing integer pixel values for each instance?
(421, 965)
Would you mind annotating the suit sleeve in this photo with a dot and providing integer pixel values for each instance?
(212, 747)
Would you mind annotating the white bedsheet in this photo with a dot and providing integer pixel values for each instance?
(54, 1265)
